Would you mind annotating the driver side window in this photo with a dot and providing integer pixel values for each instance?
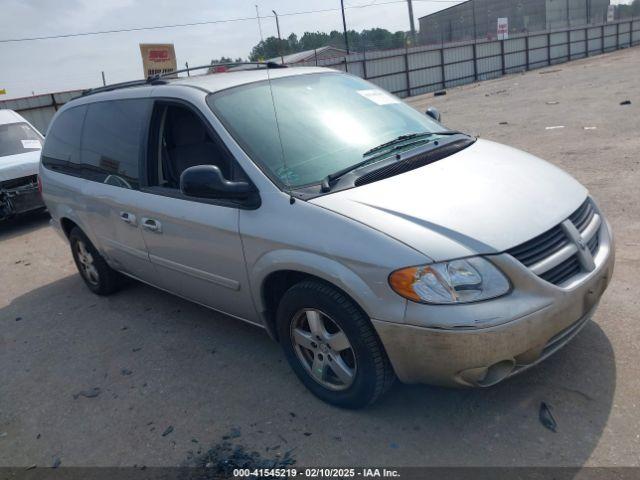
(180, 139)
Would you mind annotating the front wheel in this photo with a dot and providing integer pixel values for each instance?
(332, 346)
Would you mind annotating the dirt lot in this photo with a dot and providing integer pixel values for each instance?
(162, 362)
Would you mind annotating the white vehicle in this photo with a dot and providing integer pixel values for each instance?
(20, 146)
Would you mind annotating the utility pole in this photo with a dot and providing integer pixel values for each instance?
(104, 82)
(279, 37)
(344, 26)
(259, 24)
(186, 64)
(412, 23)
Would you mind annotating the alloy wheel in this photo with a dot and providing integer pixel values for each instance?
(87, 265)
(323, 349)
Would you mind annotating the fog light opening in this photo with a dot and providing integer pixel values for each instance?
(497, 372)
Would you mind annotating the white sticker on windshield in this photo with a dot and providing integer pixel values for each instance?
(378, 96)
(31, 144)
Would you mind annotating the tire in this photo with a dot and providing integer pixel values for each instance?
(101, 278)
(323, 369)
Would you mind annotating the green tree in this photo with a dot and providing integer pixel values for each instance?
(226, 60)
(376, 38)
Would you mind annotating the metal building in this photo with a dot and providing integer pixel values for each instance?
(479, 18)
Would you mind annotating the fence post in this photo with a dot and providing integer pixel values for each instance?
(526, 48)
(569, 45)
(502, 56)
(406, 69)
(548, 48)
(586, 41)
(442, 71)
(315, 53)
(54, 104)
(364, 61)
(475, 61)
(618, 36)
(601, 38)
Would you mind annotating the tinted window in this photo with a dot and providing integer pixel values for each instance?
(18, 138)
(62, 144)
(111, 142)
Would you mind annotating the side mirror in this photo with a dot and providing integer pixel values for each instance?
(206, 181)
(434, 113)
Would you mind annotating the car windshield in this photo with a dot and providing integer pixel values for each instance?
(18, 138)
(325, 123)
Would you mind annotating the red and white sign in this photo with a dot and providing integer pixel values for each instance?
(503, 28)
(158, 59)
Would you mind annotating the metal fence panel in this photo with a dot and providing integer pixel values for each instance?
(515, 62)
(458, 73)
(385, 66)
(424, 59)
(515, 45)
(426, 80)
(396, 83)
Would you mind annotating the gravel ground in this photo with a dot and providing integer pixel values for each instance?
(146, 378)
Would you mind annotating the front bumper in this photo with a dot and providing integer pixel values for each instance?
(478, 345)
(20, 198)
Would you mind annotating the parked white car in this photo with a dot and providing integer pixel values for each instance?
(20, 146)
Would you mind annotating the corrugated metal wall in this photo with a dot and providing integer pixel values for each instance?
(413, 71)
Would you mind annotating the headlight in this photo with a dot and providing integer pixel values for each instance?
(457, 281)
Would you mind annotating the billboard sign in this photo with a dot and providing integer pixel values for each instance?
(503, 28)
(158, 58)
(611, 13)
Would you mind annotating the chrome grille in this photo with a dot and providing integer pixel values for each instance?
(540, 247)
(563, 271)
(553, 255)
(583, 215)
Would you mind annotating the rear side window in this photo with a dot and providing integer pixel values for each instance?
(62, 145)
(111, 142)
(16, 138)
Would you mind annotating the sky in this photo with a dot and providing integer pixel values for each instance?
(43, 66)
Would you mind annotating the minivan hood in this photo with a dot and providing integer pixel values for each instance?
(20, 165)
(484, 199)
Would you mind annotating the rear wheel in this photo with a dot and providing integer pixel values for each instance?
(332, 346)
(97, 275)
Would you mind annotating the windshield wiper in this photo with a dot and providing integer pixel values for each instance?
(326, 183)
(405, 137)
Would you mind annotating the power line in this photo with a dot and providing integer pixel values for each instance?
(207, 22)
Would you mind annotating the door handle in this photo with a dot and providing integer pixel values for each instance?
(127, 217)
(151, 224)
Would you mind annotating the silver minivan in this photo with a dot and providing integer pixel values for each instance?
(369, 240)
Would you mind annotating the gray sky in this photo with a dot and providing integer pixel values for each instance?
(44, 66)
(52, 65)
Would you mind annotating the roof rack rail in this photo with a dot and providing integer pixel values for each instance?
(213, 65)
(117, 86)
(158, 79)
